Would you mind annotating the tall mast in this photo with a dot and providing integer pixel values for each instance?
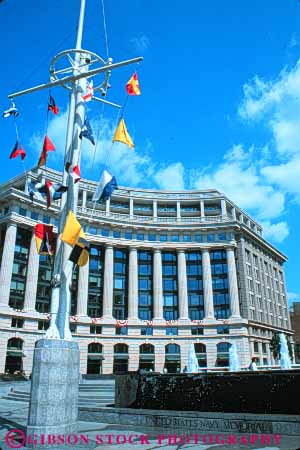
(79, 61)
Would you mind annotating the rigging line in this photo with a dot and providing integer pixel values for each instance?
(98, 135)
(105, 29)
(28, 76)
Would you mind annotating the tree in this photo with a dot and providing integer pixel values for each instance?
(275, 346)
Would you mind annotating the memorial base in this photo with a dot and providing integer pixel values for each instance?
(54, 389)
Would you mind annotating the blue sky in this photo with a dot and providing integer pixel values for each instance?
(220, 103)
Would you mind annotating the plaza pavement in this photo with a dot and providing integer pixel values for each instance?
(13, 415)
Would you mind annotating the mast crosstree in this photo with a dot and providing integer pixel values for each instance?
(82, 64)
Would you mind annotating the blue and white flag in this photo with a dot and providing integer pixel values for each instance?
(35, 190)
(13, 111)
(105, 187)
(87, 132)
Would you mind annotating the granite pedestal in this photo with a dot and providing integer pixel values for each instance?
(54, 389)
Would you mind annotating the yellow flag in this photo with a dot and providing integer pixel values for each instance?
(122, 135)
(72, 230)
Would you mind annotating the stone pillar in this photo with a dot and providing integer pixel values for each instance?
(233, 212)
(107, 207)
(84, 198)
(202, 212)
(32, 276)
(131, 207)
(157, 285)
(182, 286)
(223, 208)
(83, 287)
(178, 215)
(154, 209)
(133, 284)
(159, 357)
(108, 282)
(7, 263)
(232, 284)
(207, 286)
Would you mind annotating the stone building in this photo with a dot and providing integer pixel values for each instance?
(295, 324)
(166, 269)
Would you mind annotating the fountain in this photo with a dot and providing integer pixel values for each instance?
(192, 361)
(285, 360)
(234, 363)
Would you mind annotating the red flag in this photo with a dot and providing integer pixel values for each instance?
(74, 171)
(47, 147)
(132, 86)
(18, 150)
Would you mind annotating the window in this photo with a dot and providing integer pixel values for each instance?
(264, 347)
(104, 232)
(146, 331)
(92, 230)
(46, 219)
(163, 238)
(186, 238)
(128, 235)
(34, 215)
(222, 236)
(116, 234)
(171, 331)
(95, 329)
(196, 331)
(140, 237)
(256, 348)
(175, 238)
(152, 237)
(222, 329)
(17, 323)
(198, 238)
(210, 237)
(43, 325)
(73, 327)
(22, 211)
(95, 286)
(145, 285)
(121, 331)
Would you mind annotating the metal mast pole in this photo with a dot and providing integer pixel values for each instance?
(63, 268)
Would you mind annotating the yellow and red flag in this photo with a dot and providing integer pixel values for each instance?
(122, 135)
(133, 86)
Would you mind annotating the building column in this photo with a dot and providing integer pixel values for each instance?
(223, 208)
(202, 212)
(207, 286)
(157, 285)
(107, 207)
(83, 288)
(178, 214)
(108, 285)
(154, 209)
(232, 284)
(32, 276)
(84, 198)
(133, 284)
(182, 286)
(131, 207)
(7, 263)
(233, 212)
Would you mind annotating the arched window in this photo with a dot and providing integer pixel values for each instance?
(223, 354)
(200, 348)
(95, 347)
(146, 348)
(15, 344)
(223, 347)
(172, 348)
(121, 348)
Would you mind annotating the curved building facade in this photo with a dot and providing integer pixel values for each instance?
(166, 270)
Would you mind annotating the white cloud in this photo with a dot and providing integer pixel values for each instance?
(276, 232)
(140, 43)
(171, 177)
(241, 181)
(285, 175)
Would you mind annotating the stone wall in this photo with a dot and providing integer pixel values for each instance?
(272, 392)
